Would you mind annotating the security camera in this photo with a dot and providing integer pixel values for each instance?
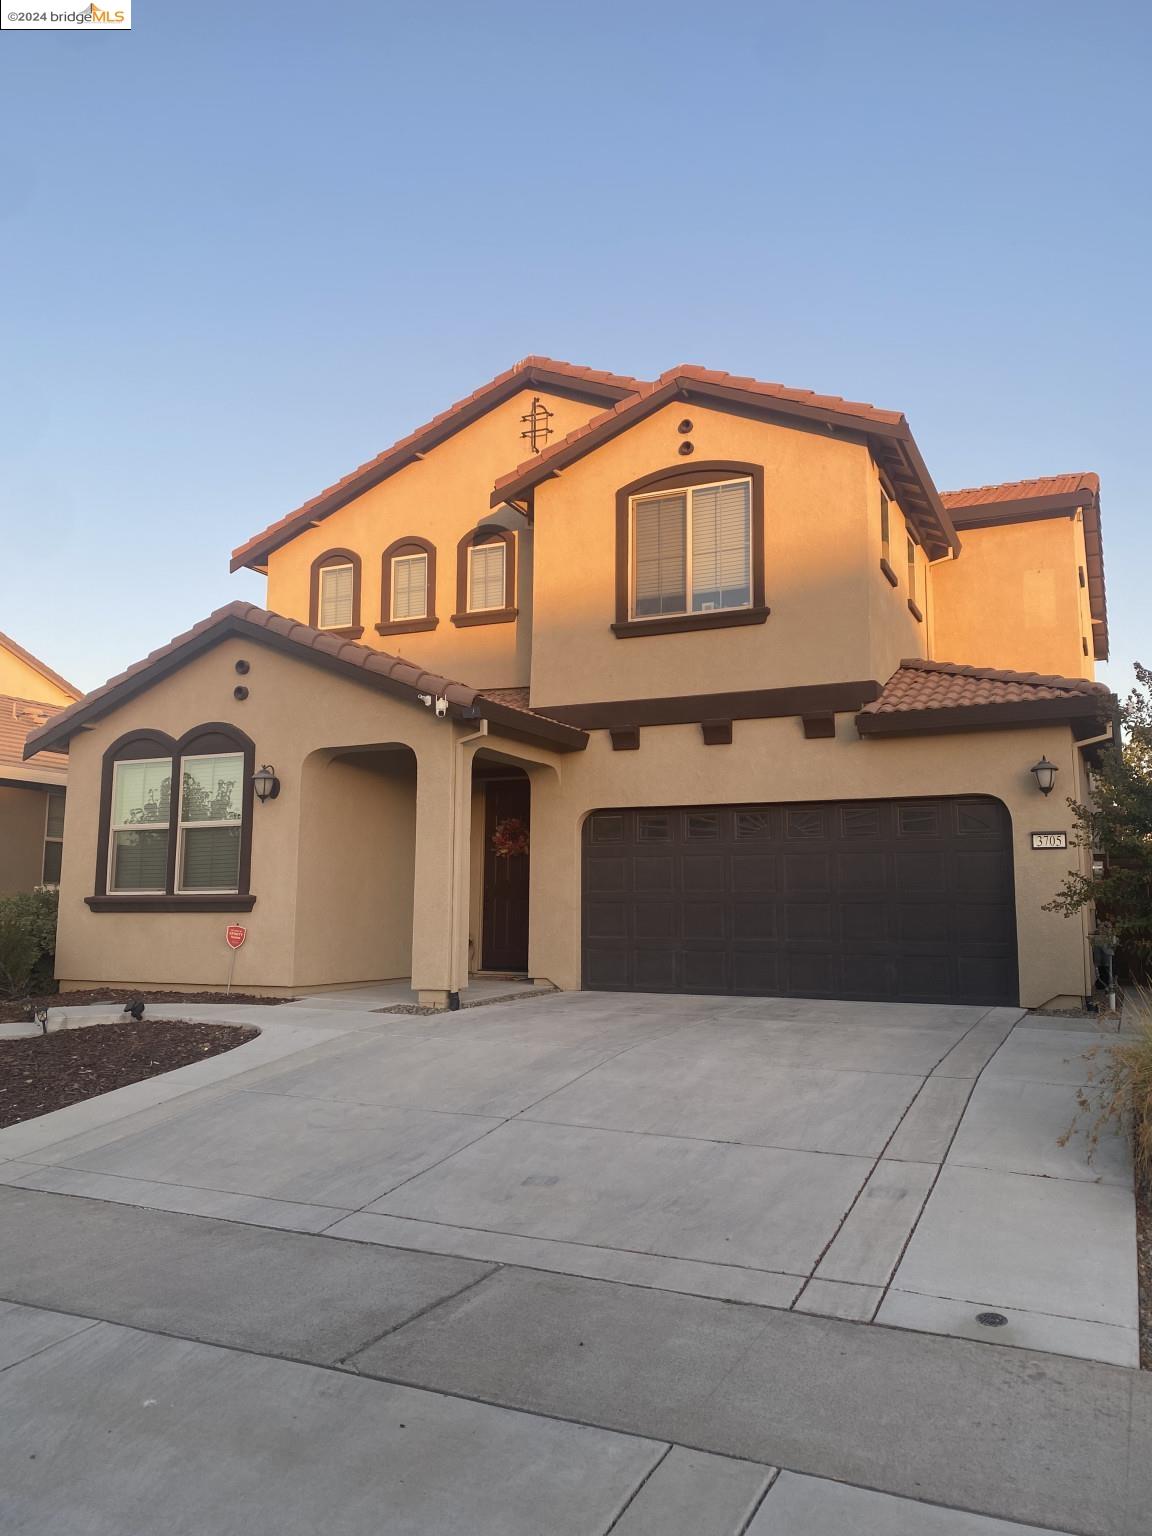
(441, 708)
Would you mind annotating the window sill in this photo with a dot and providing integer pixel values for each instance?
(346, 632)
(890, 574)
(159, 903)
(915, 612)
(485, 616)
(406, 626)
(683, 623)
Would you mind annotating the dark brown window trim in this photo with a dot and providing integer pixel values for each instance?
(695, 708)
(214, 736)
(351, 631)
(486, 616)
(685, 623)
(893, 579)
(406, 626)
(625, 738)
(410, 545)
(716, 733)
(487, 533)
(170, 903)
(673, 479)
(915, 612)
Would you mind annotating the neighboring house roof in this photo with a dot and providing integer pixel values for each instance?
(889, 437)
(377, 669)
(18, 719)
(544, 373)
(941, 695)
(37, 665)
(1024, 501)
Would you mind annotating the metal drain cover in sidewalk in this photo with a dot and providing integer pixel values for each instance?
(991, 1319)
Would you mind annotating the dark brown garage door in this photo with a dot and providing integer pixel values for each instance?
(909, 900)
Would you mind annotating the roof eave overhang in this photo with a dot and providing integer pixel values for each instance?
(508, 721)
(1019, 714)
(13, 776)
(254, 554)
(890, 442)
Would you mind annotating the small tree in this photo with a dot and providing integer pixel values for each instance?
(1118, 825)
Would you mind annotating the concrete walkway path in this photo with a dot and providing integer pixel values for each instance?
(580, 1264)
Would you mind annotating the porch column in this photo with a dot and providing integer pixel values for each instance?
(440, 893)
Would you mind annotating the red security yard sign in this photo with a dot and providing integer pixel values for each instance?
(234, 936)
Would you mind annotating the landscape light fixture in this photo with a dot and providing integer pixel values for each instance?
(1045, 773)
(265, 783)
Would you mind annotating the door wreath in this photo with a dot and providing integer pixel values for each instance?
(509, 837)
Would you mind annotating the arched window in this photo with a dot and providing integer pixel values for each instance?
(334, 593)
(176, 822)
(690, 549)
(407, 587)
(486, 577)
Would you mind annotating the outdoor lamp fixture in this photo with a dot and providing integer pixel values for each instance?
(1045, 775)
(265, 783)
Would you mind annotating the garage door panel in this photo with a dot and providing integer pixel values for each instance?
(905, 900)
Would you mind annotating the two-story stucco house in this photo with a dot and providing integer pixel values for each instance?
(695, 684)
(31, 792)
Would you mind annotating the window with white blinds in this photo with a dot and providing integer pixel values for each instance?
(691, 550)
(486, 577)
(211, 807)
(409, 587)
(141, 812)
(336, 595)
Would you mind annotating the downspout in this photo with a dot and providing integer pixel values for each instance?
(454, 904)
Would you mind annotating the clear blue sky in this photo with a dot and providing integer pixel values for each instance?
(244, 248)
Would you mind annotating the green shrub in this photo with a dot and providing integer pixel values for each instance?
(27, 942)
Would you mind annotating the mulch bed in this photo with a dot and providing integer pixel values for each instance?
(46, 1072)
(15, 1012)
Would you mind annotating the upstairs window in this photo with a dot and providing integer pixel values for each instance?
(911, 571)
(53, 837)
(409, 587)
(211, 810)
(336, 596)
(885, 528)
(139, 828)
(691, 550)
(486, 577)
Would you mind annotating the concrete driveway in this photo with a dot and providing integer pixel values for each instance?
(550, 1206)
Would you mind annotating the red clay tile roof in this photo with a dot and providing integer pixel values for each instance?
(933, 695)
(18, 719)
(530, 372)
(1021, 490)
(889, 435)
(392, 674)
(985, 506)
(34, 662)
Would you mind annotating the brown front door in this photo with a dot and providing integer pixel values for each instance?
(504, 943)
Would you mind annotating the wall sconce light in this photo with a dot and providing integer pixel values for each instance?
(1045, 773)
(265, 783)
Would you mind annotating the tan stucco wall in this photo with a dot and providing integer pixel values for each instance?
(22, 821)
(895, 633)
(356, 868)
(770, 760)
(822, 577)
(24, 682)
(293, 711)
(1013, 599)
(439, 499)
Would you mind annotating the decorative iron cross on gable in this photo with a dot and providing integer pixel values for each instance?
(537, 431)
